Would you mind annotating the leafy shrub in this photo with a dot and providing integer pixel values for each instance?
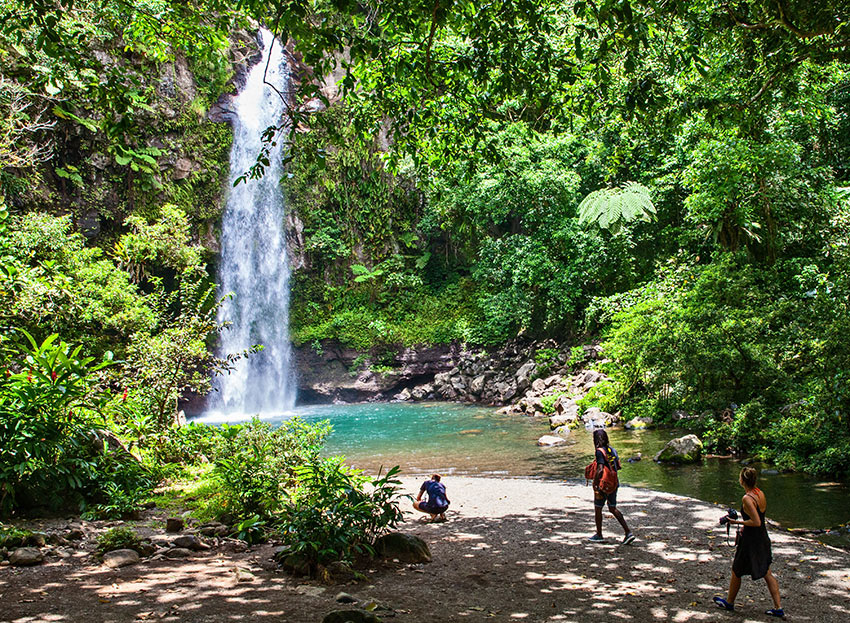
(12, 536)
(119, 537)
(337, 513)
(51, 411)
(256, 466)
(251, 530)
(548, 402)
(546, 359)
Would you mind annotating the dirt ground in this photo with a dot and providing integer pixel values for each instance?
(512, 550)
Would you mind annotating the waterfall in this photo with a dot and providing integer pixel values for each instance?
(254, 264)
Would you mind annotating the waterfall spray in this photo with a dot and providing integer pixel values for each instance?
(254, 263)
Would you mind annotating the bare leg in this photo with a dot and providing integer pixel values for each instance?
(734, 587)
(598, 517)
(773, 587)
(619, 516)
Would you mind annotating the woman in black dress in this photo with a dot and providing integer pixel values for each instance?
(753, 556)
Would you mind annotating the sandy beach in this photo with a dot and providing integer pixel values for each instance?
(512, 550)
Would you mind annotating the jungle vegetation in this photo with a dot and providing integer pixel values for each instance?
(670, 177)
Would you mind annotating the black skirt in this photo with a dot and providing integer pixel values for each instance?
(753, 556)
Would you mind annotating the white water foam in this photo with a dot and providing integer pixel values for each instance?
(254, 263)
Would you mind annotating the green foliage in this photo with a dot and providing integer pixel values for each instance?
(12, 536)
(256, 466)
(51, 409)
(119, 537)
(337, 513)
(609, 208)
(251, 530)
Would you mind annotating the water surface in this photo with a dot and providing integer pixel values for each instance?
(466, 440)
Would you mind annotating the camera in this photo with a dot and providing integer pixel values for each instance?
(731, 513)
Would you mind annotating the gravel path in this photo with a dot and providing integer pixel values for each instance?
(512, 550)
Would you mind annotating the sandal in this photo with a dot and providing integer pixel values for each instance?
(776, 612)
(722, 603)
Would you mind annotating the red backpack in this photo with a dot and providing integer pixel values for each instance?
(609, 481)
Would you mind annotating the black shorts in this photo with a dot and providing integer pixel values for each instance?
(611, 498)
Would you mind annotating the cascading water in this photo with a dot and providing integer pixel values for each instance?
(254, 263)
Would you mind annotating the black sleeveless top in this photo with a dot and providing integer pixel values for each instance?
(753, 556)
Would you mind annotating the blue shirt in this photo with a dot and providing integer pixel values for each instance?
(436, 492)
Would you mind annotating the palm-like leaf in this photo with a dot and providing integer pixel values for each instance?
(609, 208)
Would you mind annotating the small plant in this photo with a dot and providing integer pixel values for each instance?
(251, 530)
(120, 537)
(545, 358)
(358, 362)
(548, 402)
(11, 536)
(577, 357)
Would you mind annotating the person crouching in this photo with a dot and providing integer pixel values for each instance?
(437, 503)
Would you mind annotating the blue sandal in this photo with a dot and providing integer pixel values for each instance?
(776, 612)
(722, 603)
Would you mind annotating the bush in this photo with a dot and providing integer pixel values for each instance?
(256, 466)
(337, 513)
(120, 537)
(51, 414)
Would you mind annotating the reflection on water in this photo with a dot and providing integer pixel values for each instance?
(459, 439)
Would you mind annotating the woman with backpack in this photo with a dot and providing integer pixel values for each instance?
(605, 486)
(753, 554)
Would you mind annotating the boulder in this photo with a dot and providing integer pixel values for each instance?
(174, 524)
(26, 557)
(590, 376)
(120, 558)
(190, 541)
(637, 423)
(213, 528)
(505, 390)
(146, 548)
(687, 449)
(421, 392)
(538, 385)
(523, 375)
(350, 616)
(178, 552)
(296, 564)
(477, 384)
(75, 534)
(555, 379)
(556, 421)
(595, 417)
(404, 395)
(550, 440)
(405, 547)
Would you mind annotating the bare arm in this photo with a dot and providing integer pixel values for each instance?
(752, 510)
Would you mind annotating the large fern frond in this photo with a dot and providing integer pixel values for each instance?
(609, 208)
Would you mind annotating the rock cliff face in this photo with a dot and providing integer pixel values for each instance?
(521, 374)
(334, 373)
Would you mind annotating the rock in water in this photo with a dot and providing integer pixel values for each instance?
(550, 440)
(637, 423)
(687, 449)
(120, 558)
(350, 616)
(405, 547)
(27, 557)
